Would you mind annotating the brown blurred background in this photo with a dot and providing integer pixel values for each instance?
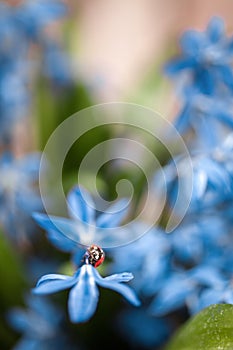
(119, 41)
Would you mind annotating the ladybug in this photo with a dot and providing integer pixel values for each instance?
(95, 255)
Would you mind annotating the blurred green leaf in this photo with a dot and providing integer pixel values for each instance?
(12, 288)
(11, 275)
(211, 329)
(53, 106)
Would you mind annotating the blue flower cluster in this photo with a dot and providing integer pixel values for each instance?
(19, 194)
(205, 75)
(176, 274)
(41, 324)
(192, 267)
(66, 233)
(21, 27)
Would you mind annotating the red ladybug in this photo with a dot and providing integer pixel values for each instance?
(95, 255)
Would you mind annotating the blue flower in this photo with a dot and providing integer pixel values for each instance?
(213, 295)
(40, 325)
(14, 95)
(84, 227)
(199, 111)
(212, 180)
(83, 297)
(56, 64)
(172, 295)
(32, 16)
(194, 240)
(21, 26)
(206, 58)
(18, 193)
(182, 287)
(148, 258)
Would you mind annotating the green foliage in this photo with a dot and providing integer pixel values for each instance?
(11, 275)
(53, 107)
(12, 288)
(211, 329)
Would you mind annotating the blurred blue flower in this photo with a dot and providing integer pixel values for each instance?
(85, 226)
(206, 58)
(212, 180)
(14, 95)
(182, 287)
(56, 64)
(198, 238)
(21, 26)
(199, 111)
(213, 295)
(83, 297)
(27, 20)
(148, 258)
(19, 195)
(40, 325)
(172, 295)
(31, 16)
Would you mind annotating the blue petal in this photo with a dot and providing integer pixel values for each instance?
(207, 135)
(60, 241)
(53, 283)
(207, 275)
(191, 42)
(114, 214)
(122, 289)
(207, 298)
(68, 228)
(226, 75)
(30, 165)
(215, 29)
(171, 297)
(217, 175)
(35, 14)
(204, 78)
(83, 297)
(183, 119)
(18, 319)
(120, 277)
(56, 64)
(200, 184)
(80, 205)
(179, 64)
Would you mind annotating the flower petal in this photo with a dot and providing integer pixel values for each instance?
(191, 42)
(83, 297)
(114, 214)
(120, 277)
(80, 205)
(172, 296)
(200, 181)
(215, 29)
(60, 241)
(18, 319)
(62, 226)
(53, 283)
(30, 165)
(122, 289)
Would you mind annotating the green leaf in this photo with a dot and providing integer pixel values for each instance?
(11, 274)
(211, 329)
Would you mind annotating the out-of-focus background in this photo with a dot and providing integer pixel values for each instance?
(122, 44)
(57, 58)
